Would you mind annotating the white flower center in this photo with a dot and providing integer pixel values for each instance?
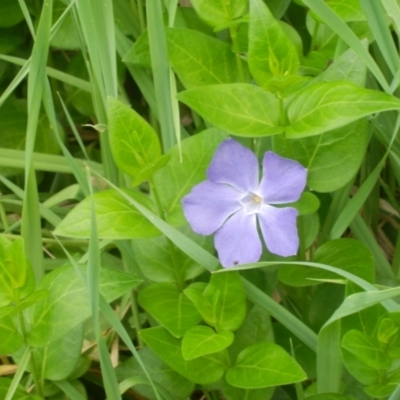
(252, 203)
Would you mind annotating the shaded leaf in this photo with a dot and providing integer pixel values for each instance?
(168, 305)
(68, 303)
(202, 370)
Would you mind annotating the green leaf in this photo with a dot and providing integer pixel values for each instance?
(364, 374)
(134, 143)
(202, 370)
(328, 396)
(20, 393)
(307, 204)
(59, 359)
(381, 390)
(13, 122)
(386, 330)
(159, 371)
(366, 349)
(116, 218)
(238, 108)
(139, 53)
(178, 177)
(347, 254)
(202, 340)
(154, 258)
(271, 53)
(10, 338)
(219, 12)
(255, 328)
(169, 306)
(68, 303)
(199, 59)
(66, 37)
(10, 13)
(233, 393)
(17, 263)
(16, 275)
(264, 365)
(348, 10)
(226, 295)
(326, 106)
(195, 292)
(332, 158)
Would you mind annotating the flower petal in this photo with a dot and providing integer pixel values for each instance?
(283, 179)
(278, 226)
(237, 241)
(235, 165)
(209, 204)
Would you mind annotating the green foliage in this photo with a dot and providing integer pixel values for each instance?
(313, 81)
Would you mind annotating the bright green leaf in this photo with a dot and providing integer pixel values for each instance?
(307, 204)
(219, 12)
(366, 349)
(264, 365)
(239, 108)
(226, 295)
(199, 59)
(10, 339)
(202, 340)
(116, 218)
(326, 106)
(271, 53)
(195, 293)
(134, 143)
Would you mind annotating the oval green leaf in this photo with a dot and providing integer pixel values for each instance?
(116, 218)
(202, 340)
(134, 143)
(330, 105)
(264, 365)
(238, 108)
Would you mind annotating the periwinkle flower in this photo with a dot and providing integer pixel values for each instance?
(231, 201)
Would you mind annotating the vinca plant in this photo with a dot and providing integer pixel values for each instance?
(199, 199)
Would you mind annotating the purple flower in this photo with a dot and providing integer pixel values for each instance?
(232, 199)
